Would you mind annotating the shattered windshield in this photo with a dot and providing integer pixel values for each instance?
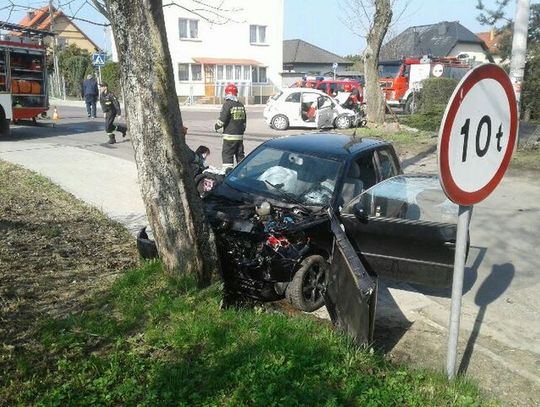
(287, 176)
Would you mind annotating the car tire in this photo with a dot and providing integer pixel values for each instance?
(342, 122)
(280, 122)
(4, 124)
(306, 290)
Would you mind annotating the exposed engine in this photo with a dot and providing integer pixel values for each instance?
(262, 243)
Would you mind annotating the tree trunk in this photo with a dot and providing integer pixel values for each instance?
(185, 241)
(375, 37)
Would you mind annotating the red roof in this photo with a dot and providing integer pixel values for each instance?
(491, 39)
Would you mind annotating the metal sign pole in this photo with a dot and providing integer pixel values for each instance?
(464, 218)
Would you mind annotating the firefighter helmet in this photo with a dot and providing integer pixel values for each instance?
(347, 87)
(231, 89)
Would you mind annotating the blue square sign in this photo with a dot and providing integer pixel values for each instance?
(98, 59)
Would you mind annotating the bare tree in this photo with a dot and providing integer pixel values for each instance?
(370, 19)
(185, 240)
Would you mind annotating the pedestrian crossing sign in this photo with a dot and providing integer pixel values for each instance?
(98, 59)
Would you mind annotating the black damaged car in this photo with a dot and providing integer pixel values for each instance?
(317, 217)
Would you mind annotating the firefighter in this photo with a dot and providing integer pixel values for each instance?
(353, 100)
(233, 121)
(111, 108)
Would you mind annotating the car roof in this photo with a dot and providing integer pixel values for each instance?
(325, 144)
(291, 90)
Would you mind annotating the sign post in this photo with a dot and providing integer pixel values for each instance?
(99, 61)
(334, 68)
(476, 142)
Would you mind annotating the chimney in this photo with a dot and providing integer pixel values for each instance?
(30, 15)
(442, 28)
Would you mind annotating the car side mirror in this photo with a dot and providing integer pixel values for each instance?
(360, 213)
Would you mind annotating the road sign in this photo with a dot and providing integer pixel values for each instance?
(438, 70)
(476, 141)
(477, 135)
(334, 66)
(98, 59)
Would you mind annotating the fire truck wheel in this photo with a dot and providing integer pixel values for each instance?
(410, 105)
(4, 124)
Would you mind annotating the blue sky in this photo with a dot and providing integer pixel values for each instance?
(315, 21)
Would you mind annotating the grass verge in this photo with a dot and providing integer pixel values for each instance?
(149, 339)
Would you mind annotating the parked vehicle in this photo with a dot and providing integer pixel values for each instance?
(306, 107)
(23, 82)
(400, 79)
(314, 216)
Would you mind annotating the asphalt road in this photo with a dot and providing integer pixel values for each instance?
(500, 305)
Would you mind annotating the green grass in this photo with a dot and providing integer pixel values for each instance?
(526, 160)
(157, 341)
(429, 121)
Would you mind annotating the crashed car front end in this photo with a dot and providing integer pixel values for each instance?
(262, 245)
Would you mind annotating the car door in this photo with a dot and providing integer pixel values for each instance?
(405, 228)
(324, 116)
(291, 108)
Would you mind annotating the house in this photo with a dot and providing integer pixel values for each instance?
(239, 42)
(67, 30)
(444, 39)
(492, 40)
(301, 58)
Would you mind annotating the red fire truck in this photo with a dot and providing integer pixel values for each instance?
(400, 79)
(23, 75)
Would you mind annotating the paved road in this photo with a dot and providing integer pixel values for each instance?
(500, 314)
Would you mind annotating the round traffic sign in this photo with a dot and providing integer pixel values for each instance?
(477, 135)
(437, 70)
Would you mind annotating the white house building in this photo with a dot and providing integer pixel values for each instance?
(226, 41)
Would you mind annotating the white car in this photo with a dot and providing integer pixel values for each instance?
(307, 107)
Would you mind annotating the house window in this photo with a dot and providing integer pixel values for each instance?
(189, 29)
(258, 74)
(229, 72)
(196, 73)
(257, 34)
(183, 72)
(237, 72)
(247, 72)
(220, 72)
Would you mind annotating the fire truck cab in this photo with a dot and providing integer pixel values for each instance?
(23, 75)
(400, 79)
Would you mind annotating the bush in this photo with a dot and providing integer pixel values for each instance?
(435, 94)
(110, 73)
(75, 63)
(428, 121)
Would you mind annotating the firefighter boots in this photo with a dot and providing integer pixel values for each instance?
(112, 140)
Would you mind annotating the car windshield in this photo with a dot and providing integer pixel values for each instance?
(388, 71)
(285, 175)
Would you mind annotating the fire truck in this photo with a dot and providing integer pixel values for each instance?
(400, 79)
(23, 75)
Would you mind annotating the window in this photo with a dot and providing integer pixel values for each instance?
(247, 72)
(189, 29)
(196, 74)
(229, 72)
(183, 72)
(254, 74)
(262, 74)
(257, 34)
(220, 72)
(237, 72)
(293, 97)
(386, 162)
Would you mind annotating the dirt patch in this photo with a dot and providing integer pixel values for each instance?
(55, 253)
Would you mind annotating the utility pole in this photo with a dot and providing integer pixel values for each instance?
(519, 47)
(56, 73)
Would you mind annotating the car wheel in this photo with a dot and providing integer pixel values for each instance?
(342, 122)
(306, 289)
(280, 122)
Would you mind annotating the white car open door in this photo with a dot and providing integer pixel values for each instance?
(324, 116)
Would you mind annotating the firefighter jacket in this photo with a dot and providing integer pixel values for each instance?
(233, 120)
(109, 103)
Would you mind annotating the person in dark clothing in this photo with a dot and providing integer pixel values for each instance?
(89, 90)
(199, 160)
(111, 108)
(233, 121)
